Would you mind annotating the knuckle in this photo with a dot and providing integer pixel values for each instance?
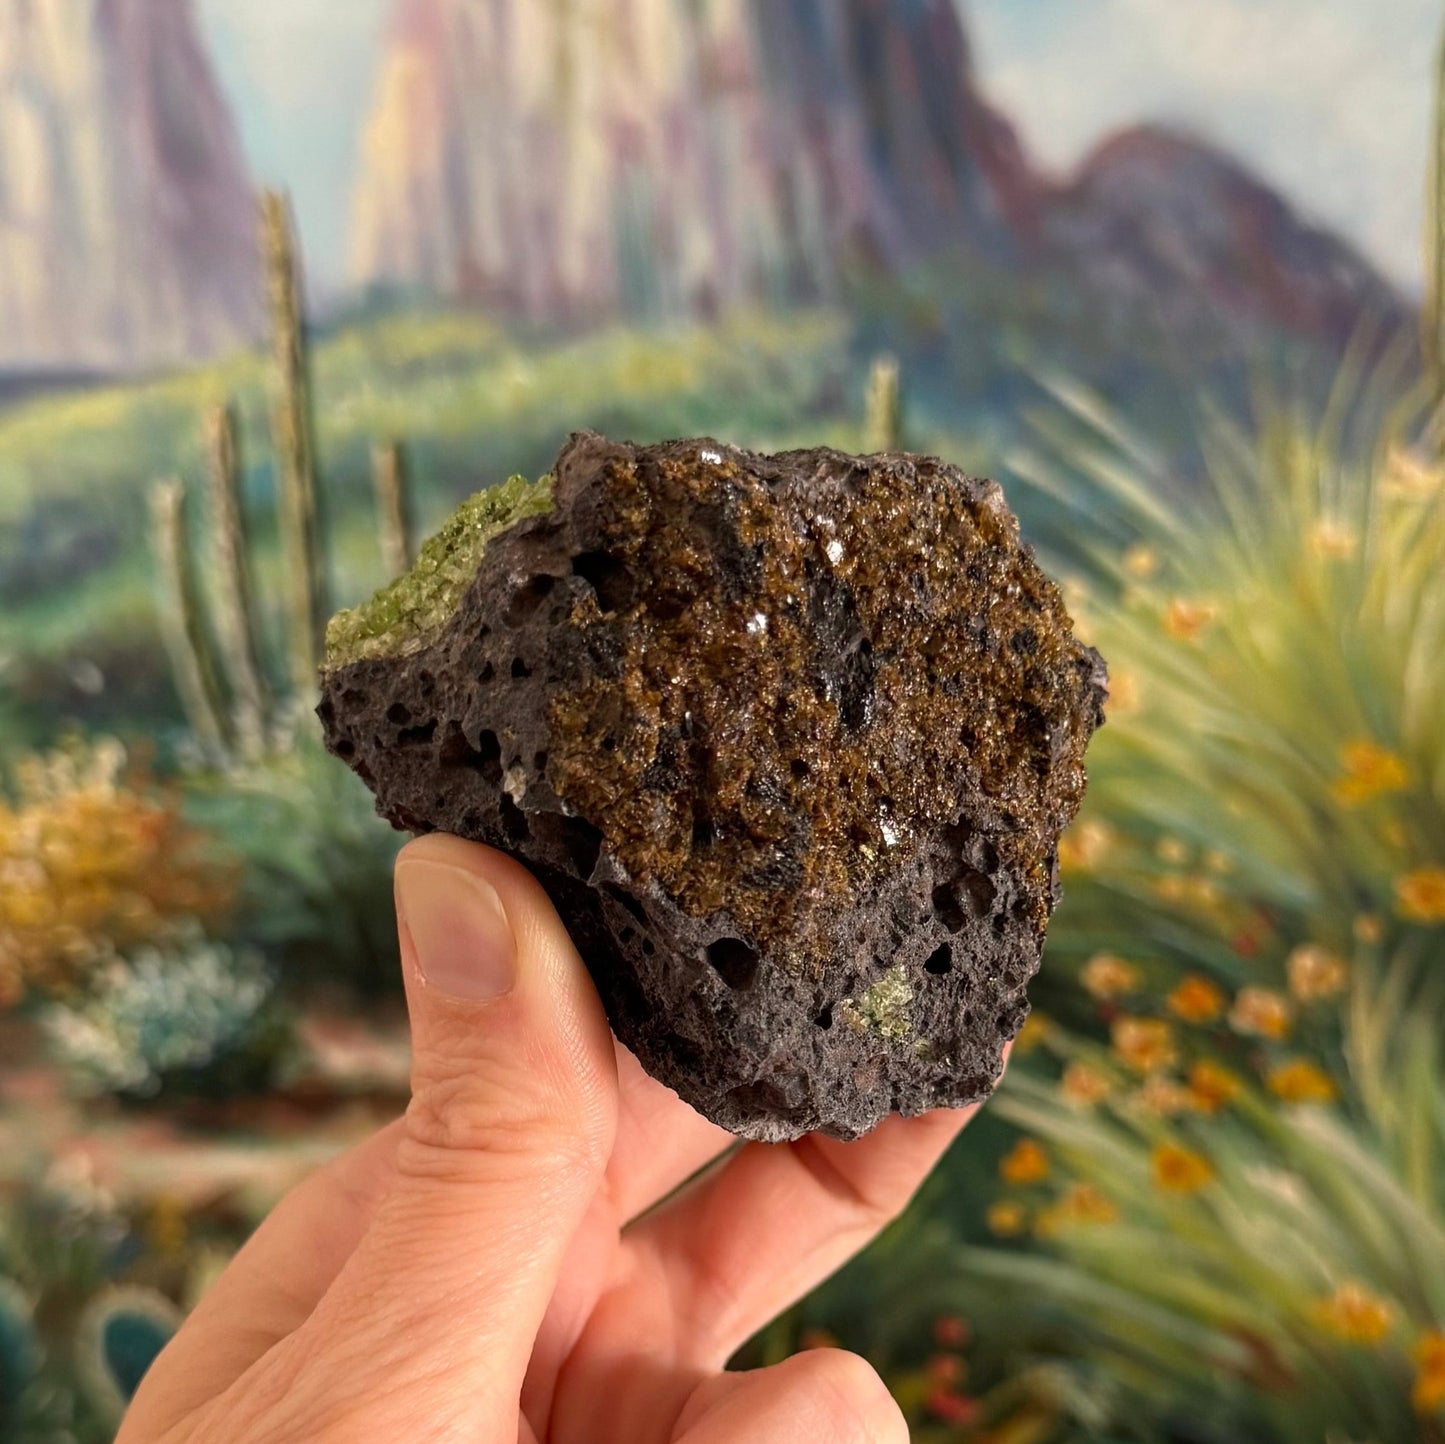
(455, 1125)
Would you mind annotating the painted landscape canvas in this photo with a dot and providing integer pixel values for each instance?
(284, 281)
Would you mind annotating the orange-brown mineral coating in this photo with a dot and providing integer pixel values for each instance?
(806, 670)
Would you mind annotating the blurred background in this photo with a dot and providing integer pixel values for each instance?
(283, 280)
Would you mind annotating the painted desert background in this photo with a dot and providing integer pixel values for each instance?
(281, 281)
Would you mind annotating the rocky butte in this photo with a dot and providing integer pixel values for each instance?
(127, 218)
(652, 157)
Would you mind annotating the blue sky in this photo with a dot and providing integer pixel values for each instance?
(1328, 98)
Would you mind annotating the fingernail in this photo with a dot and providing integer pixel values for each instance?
(461, 941)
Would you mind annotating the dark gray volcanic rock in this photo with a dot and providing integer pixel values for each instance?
(789, 741)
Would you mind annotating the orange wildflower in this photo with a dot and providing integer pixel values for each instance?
(1126, 695)
(1084, 1203)
(1212, 1086)
(1176, 1169)
(1410, 478)
(1421, 895)
(1165, 1097)
(1185, 620)
(1085, 1084)
(1145, 1044)
(1108, 976)
(1085, 845)
(1332, 539)
(1315, 972)
(1367, 771)
(1006, 1219)
(1196, 1000)
(1300, 1081)
(1355, 1315)
(1369, 928)
(1026, 1162)
(1428, 1393)
(817, 1339)
(1261, 1013)
(1141, 562)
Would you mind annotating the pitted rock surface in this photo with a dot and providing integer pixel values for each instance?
(789, 741)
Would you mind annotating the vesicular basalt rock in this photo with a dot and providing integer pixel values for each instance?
(789, 740)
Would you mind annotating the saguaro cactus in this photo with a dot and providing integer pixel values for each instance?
(1432, 314)
(305, 584)
(883, 424)
(230, 552)
(182, 621)
(393, 520)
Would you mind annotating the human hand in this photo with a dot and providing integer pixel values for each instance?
(505, 1262)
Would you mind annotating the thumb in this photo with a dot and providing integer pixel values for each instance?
(513, 1111)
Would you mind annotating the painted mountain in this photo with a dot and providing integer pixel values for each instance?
(579, 158)
(575, 157)
(126, 212)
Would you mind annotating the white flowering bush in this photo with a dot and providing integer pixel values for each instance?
(195, 1014)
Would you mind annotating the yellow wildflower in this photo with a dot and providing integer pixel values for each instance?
(1261, 1013)
(1085, 1084)
(1428, 1393)
(1369, 928)
(1176, 1169)
(1217, 861)
(1173, 850)
(1185, 620)
(1108, 976)
(1080, 1204)
(1165, 1097)
(1145, 1044)
(1315, 972)
(1332, 539)
(1007, 1219)
(1421, 895)
(1366, 771)
(1025, 1162)
(1084, 846)
(1300, 1081)
(1212, 1086)
(1196, 1000)
(1355, 1315)
(1084, 1203)
(1141, 562)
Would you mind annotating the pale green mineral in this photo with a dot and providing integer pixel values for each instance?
(409, 612)
(884, 1007)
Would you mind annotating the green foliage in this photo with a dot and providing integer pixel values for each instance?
(19, 1355)
(316, 884)
(1238, 1107)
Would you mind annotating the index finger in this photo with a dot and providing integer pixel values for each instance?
(750, 1239)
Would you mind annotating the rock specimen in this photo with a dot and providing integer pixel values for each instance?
(789, 740)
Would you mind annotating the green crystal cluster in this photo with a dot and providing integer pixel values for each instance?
(410, 611)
